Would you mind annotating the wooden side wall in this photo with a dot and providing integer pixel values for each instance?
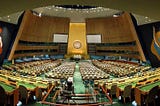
(38, 29)
(112, 29)
(115, 30)
(41, 29)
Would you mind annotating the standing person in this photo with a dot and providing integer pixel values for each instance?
(1, 43)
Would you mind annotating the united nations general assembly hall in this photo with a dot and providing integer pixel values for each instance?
(79, 53)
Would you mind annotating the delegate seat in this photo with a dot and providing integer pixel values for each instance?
(3, 97)
(113, 90)
(151, 96)
(24, 94)
(127, 93)
(38, 94)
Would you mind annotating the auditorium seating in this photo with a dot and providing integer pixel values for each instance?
(102, 73)
(64, 71)
(88, 71)
(33, 68)
(119, 69)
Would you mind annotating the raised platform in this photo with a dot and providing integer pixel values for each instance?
(77, 56)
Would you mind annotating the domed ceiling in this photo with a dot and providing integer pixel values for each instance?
(77, 11)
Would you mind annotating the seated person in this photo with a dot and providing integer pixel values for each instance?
(69, 90)
(67, 86)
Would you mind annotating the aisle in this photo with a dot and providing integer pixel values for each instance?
(79, 87)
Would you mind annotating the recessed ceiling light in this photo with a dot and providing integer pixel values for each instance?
(146, 17)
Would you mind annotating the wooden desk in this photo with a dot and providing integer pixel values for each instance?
(121, 87)
(149, 80)
(41, 85)
(11, 91)
(29, 86)
(144, 90)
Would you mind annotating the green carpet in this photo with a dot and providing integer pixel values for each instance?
(79, 87)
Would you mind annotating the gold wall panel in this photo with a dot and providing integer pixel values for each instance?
(77, 40)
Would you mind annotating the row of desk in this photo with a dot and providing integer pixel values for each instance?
(140, 87)
(138, 91)
(12, 88)
(12, 92)
(142, 91)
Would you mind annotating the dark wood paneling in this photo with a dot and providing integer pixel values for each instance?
(123, 48)
(24, 47)
(118, 54)
(112, 29)
(32, 54)
(115, 30)
(42, 28)
(38, 29)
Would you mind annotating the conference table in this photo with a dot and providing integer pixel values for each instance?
(12, 92)
(121, 87)
(8, 88)
(29, 86)
(41, 85)
(27, 82)
(143, 90)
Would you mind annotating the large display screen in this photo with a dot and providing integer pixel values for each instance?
(94, 38)
(60, 38)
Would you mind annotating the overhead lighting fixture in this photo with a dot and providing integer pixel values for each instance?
(146, 17)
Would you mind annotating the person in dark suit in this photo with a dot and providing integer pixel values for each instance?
(70, 86)
(69, 90)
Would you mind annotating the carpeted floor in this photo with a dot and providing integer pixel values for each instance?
(79, 87)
